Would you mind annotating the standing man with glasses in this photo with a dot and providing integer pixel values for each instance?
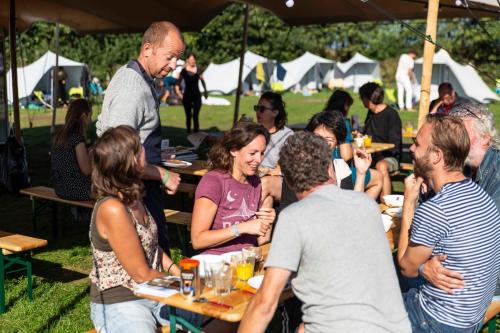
(131, 99)
(483, 167)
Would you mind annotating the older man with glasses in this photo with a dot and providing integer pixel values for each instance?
(483, 166)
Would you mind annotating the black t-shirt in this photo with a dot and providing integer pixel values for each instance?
(385, 126)
(191, 80)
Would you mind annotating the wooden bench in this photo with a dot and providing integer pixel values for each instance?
(490, 317)
(15, 250)
(41, 196)
(162, 329)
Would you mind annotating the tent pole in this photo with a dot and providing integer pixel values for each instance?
(55, 95)
(242, 62)
(425, 89)
(13, 66)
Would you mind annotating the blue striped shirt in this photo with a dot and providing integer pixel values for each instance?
(463, 222)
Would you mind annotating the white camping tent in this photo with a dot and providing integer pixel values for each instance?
(357, 71)
(308, 70)
(463, 78)
(38, 76)
(223, 78)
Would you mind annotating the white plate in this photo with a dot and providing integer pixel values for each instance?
(395, 211)
(176, 163)
(203, 258)
(255, 281)
(394, 200)
(227, 256)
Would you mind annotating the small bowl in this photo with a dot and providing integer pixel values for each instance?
(394, 200)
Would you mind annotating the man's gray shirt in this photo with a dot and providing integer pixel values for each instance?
(335, 242)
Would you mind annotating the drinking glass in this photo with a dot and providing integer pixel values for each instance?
(409, 128)
(222, 281)
(257, 252)
(211, 269)
(245, 266)
(367, 141)
(235, 258)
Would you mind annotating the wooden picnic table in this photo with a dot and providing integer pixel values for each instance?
(197, 168)
(239, 299)
(377, 147)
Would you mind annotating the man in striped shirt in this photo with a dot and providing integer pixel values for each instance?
(461, 220)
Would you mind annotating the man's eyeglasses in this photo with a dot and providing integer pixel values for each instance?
(260, 108)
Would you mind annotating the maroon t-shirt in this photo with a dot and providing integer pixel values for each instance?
(236, 202)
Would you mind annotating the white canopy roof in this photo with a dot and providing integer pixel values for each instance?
(37, 75)
(357, 71)
(463, 78)
(306, 69)
(223, 78)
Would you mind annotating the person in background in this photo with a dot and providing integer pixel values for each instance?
(313, 246)
(229, 212)
(404, 80)
(331, 127)
(118, 160)
(191, 98)
(131, 99)
(271, 113)
(341, 101)
(461, 221)
(62, 94)
(69, 157)
(482, 165)
(383, 124)
(448, 98)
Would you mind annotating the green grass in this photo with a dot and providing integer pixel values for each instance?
(61, 290)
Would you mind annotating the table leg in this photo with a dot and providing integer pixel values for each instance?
(174, 319)
(54, 220)
(33, 210)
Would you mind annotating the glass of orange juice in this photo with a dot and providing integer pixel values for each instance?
(409, 128)
(367, 140)
(245, 266)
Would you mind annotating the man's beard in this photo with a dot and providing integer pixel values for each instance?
(422, 166)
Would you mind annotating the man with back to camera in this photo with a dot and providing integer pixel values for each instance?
(461, 220)
(345, 276)
(131, 99)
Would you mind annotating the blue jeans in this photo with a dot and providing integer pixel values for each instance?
(421, 322)
(134, 316)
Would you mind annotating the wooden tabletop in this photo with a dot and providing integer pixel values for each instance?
(376, 147)
(19, 243)
(198, 168)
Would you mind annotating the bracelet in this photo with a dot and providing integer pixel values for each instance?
(235, 230)
(168, 270)
(165, 178)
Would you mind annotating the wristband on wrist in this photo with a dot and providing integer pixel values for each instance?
(234, 229)
(169, 267)
(165, 178)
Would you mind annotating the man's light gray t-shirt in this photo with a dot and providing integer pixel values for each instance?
(335, 242)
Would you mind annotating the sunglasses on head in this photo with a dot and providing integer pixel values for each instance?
(260, 108)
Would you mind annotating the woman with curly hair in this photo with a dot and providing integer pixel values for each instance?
(230, 211)
(124, 238)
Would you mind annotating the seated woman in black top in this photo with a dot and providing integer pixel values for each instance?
(70, 164)
(383, 124)
(191, 98)
(331, 126)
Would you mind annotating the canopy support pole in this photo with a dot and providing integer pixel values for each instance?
(55, 86)
(242, 62)
(13, 66)
(429, 48)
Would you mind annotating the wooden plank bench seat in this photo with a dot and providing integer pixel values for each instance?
(161, 329)
(15, 250)
(48, 193)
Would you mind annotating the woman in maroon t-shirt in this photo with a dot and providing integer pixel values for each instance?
(229, 212)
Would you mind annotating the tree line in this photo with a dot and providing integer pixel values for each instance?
(268, 36)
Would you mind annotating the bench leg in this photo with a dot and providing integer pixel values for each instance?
(54, 220)
(33, 210)
(29, 276)
(2, 283)
(492, 325)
